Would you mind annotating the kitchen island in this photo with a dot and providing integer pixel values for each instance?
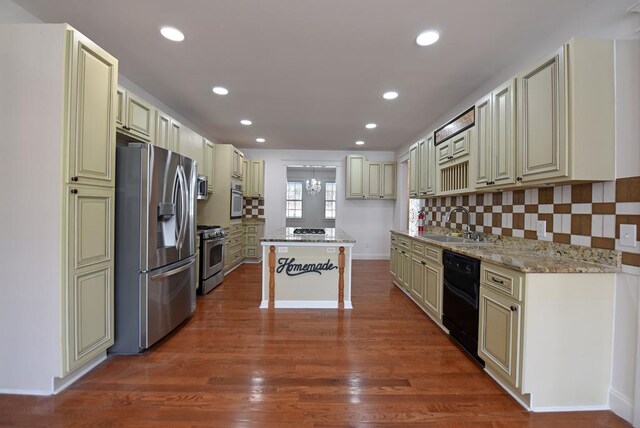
(306, 270)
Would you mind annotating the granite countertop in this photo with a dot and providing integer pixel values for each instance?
(285, 234)
(525, 258)
(253, 221)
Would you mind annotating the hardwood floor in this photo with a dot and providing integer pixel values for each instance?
(234, 365)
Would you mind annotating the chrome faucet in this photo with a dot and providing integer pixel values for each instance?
(466, 233)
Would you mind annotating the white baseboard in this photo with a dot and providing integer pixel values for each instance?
(621, 405)
(60, 384)
(305, 304)
(370, 257)
(569, 409)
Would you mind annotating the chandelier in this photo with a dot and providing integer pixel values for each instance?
(313, 187)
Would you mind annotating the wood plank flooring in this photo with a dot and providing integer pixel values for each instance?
(384, 363)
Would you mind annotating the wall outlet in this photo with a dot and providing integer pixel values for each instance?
(331, 250)
(628, 235)
(541, 229)
(283, 249)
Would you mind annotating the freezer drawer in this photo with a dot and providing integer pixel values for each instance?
(167, 298)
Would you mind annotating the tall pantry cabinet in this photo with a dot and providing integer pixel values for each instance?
(58, 107)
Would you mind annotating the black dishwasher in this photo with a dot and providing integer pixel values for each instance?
(460, 300)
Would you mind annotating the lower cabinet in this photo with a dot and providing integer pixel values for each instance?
(252, 250)
(417, 268)
(500, 334)
(233, 243)
(88, 318)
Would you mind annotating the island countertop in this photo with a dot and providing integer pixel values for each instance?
(286, 234)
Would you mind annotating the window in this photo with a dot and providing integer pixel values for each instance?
(293, 207)
(330, 200)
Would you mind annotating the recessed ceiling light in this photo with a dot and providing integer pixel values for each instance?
(391, 95)
(370, 125)
(246, 122)
(359, 143)
(260, 140)
(220, 90)
(172, 34)
(427, 38)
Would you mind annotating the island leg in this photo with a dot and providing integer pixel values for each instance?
(341, 278)
(272, 276)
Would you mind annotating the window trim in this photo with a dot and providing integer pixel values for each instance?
(335, 200)
(287, 200)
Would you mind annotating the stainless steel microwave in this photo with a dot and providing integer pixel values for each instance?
(203, 187)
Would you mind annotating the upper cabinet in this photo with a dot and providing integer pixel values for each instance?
(253, 178)
(191, 145)
(494, 140)
(355, 177)
(380, 180)
(168, 131)
(209, 164)
(94, 74)
(134, 116)
(453, 158)
(370, 180)
(414, 169)
(566, 123)
(236, 163)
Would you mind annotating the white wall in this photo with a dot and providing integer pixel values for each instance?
(367, 221)
(12, 13)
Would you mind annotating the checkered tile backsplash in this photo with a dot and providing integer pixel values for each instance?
(581, 214)
(253, 207)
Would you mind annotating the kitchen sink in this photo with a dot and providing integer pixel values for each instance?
(454, 240)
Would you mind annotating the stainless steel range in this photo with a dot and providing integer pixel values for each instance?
(211, 257)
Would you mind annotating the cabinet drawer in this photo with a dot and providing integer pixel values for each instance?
(251, 229)
(417, 248)
(404, 243)
(505, 281)
(433, 253)
(237, 227)
(394, 238)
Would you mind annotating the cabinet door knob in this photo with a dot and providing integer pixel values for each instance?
(74, 191)
(513, 308)
(449, 157)
(519, 178)
(381, 196)
(74, 178)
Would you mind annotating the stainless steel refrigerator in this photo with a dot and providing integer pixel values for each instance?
(155, 262)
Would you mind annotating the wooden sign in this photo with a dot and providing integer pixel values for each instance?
(461, 123)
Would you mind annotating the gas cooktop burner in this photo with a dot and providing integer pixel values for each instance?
(305, 231)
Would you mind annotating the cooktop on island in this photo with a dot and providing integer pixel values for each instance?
(307, 231)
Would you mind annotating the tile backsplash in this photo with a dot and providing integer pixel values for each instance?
(588, 215)
(253, 207)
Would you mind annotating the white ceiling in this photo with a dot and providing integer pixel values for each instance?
(310, 73)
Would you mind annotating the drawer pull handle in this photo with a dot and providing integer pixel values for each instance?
(513, 308)
(499, 281)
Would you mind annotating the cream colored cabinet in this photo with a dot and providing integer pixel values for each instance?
(566, 115)
(209, 164)
(252, 233)
(393, 261)
(236, 166)
(191, 145)
(256, 181)
(134, 116)
(167, 132)
(541, 119)
(253, 178)
(355, 177)
(417, 277)
(89, 291)
(453, 159)
(427, 169)
(433, 289)
(380, 180)
(500, 334)
(92, 114)
(454, 148)
(234, 243)
(246, 184)
(494, 137)
(370, 180)
(414, 169)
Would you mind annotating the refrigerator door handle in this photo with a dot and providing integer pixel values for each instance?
(172, 271)
(184, 207)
